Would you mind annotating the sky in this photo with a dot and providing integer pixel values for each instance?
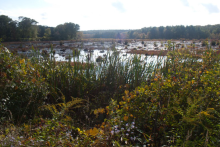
(115, 14)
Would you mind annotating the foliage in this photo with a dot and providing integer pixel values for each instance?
(26, 29)
(21, 86)
(119, 102)
(179, 107)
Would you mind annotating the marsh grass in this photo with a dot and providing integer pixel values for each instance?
(177, 97)
(96, 83)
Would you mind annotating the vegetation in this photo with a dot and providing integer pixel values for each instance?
(172, 102)
(26, 29)
(168, 32)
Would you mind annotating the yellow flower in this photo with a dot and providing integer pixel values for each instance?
(125, 118)
(128, 100)
(22, 61)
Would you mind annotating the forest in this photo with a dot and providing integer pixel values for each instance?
(26, 29)
(168, 32)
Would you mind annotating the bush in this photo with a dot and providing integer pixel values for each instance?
(23, 89)
(178, 107)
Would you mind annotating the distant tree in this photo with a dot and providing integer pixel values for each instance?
(154, 34)
(47, 34)
(118, 36)
(27, 27)
(66, 31)
(168, 33)
(7, 28)
(161, 32)
(130, 34)
(79, 35)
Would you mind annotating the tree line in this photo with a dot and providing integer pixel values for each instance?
(168, 32)
(26, 29)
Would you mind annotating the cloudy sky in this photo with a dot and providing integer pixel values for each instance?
(115, 14)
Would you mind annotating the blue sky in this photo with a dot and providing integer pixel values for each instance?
(115, 14)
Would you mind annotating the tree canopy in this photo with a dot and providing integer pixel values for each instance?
(27, 29)
(167, 32)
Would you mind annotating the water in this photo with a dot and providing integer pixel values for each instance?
(99, 49)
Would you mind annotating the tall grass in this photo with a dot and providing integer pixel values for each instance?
(96, 83)
(170, 102)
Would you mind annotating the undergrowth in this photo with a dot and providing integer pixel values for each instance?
(112, 103)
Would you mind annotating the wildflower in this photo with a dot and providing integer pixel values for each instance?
(122, 128)
(134, 137)
(127, 134)
(131, 138)
(132, 126)
(116, 126)
(118, 131)
(132, 132)
(133, 123)
(112, 132)
(126, 142)
(22, 61)
(128, 129)
(127, 124)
